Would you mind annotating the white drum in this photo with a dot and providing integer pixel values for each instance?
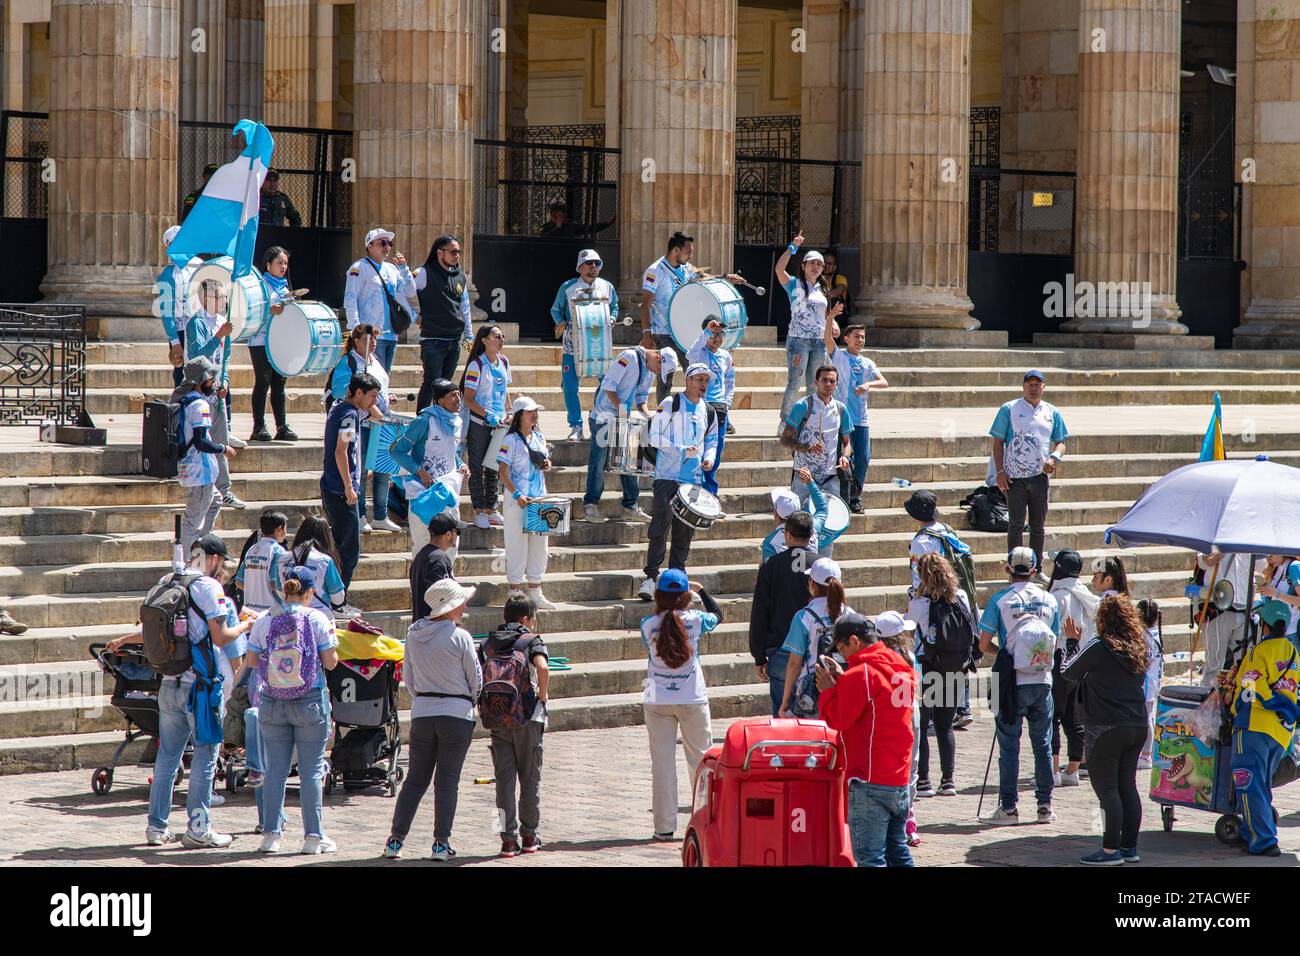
(837, 521)
(304, 339)
(589, 331)
(249, 302)
(696, 507)
(693, 303)
(547, 516)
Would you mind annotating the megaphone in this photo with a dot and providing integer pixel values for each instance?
(1221, 596)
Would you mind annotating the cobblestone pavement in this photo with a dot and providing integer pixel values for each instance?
(595, 811)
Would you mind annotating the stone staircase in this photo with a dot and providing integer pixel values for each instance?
(83, 535)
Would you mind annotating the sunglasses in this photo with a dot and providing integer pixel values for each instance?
(450, 252)
(384, 242)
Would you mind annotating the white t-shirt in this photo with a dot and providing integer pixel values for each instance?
(662, 281)
(922, 544)
(207, 603)
(1029, 434)
(196, 468)
(489, 382)
(321, 627)
(676, 685)
(1026, 622)
(630, 378)
(854, 370)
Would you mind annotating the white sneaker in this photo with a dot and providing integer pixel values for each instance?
(481, 520)
(517, 591)
(1056, 778)
(232, 500)
(1045, 814)
(1144, 763)
(575, 433)
(386, 524)
(539, 600)
(1001, 818)
(634, 514)
(592, 513)
(495, 519)
(156, 837)
(236, 443)
(217, 800)
(1068, 779)
(318, 844)
(209, 840)
(366, 528)
(647, 590)
(270, 843)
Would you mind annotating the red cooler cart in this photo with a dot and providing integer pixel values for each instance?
(773, 794)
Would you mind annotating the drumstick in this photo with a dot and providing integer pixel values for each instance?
(299, 293)
(758, 289)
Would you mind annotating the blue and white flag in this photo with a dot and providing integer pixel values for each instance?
(224, 219)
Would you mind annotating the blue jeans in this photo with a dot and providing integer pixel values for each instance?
(345, 524)
(379, 483)
(602, 436)
(385, 349)
(1033, 701)
(438, 357)
(802, 358)
(776, 663)
(569, 384)
(860, 441)
(877, 822)
(175, 728)
(711, 477)
(304, 723)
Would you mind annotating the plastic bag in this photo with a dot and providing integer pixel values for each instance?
(1207, 718)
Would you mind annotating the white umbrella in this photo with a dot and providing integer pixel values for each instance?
(1248, 506)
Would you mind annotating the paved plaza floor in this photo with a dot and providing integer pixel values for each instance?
(595, 812)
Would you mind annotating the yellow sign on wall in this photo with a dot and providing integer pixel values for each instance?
(1044, 199)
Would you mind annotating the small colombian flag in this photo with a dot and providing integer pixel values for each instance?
(1212, 448)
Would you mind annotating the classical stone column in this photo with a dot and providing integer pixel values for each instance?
(1126, 203)
(678, 134)
(413, 132)
(916, 118)
(245, 56)
(819, 121)
(113, 103)
(851, 72)
(288, 85)
(1268, 133)
(1040, 84)
(516, 81)
(203, 61)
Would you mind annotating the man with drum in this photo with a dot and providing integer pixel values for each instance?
(708, 351)
(664, 277)
(818, 432)
(372, 290)
(625, 386)
(684, 433)
(587, 285)
(205, 337)
(172, 287)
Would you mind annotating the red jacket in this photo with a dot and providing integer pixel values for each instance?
(871, 707)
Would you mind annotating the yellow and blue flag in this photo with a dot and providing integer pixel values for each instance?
(1212, 447)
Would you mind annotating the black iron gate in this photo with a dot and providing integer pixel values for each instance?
(42, 364)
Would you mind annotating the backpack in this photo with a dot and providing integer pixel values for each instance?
(288, 666)
(507, 699)
(165, 625)
(650, 453)
(986, 509)
(963, 564)
(328, 398)
(161, 445)
(954, 636)
(803, 702)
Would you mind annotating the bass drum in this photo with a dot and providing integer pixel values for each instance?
(304, 339)
(694, 302)
(250, 300)
(593, 343)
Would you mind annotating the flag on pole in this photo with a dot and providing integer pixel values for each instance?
(224, 219)
(1212, 447)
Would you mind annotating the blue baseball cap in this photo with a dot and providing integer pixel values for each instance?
(1035, 373)
(302, 575)
(673, 581)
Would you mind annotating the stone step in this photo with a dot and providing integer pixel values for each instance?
(147, 332)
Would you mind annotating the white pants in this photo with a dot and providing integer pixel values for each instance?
(420, 537)
(1151, 729)
(662, 722)
(1220, 634)
(526, 554)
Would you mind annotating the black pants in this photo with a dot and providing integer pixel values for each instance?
(178, 371)
(438, 746)
(662, 523)
(438, 359)
(940, 695)
(482, 481)
(1112, 769)
(1027, 494)
(266, 378)
(345, 524)
(1065, 715)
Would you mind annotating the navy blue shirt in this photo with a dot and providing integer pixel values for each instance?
(344, 420)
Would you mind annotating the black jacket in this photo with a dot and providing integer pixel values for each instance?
(779, 593)
(1111, 695)
(440, 314)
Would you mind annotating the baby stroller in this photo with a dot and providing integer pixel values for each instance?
(363, 702)
(135, 695)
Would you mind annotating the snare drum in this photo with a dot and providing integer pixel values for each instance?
(250, 303)
(695, 301)
(547, 516)
(696, 507)
(837, 520)
(593, 344)
(632, 434)
(382, 436)
(304, 339)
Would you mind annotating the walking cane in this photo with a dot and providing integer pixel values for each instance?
(987, 767)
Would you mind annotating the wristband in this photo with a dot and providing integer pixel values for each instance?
(517, 495)
(792, 248)
(1056, 455)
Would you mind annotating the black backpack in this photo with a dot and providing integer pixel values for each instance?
(164, 625)
(986, 509)
(161, 445)
(954, 637)
(650, 453)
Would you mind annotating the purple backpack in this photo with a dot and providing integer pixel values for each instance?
(288, 666)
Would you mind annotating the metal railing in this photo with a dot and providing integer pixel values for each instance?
(42, 364)
(1209, 220)
(24, 145)
(776, 135)
(985, 136)
(516, 184)
(777, 198)
(565, 134)
(1024, 211)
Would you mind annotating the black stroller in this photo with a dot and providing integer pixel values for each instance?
(363, 701)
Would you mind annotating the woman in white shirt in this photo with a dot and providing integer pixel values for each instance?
(1078, 609)
(1153, 621)
(676, 698)
(486, 386)
(522, 461)
(805, 350)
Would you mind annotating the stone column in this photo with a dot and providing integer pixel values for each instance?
(288, 85)
(245, 56)
(819, 121)
(1126, 212)
(916, 118)
(113, 103)
(678, 134)
(1040, 84)
(516, 84)
(414, 129)
(203, 61)
(1268, 132)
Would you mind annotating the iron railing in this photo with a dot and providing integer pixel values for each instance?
(985, 136)
(777, 198)
(1024, 211)
(768, 136)
(516, 184)
(42, 364)
(24, 145)
(568, 134)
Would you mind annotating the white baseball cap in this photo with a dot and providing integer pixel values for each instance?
(588, 255)
(667, 363)
(374, 234)
(525, 404)
(698, 368)
(169, 235)
(823, 569)
(1022, 560)
(812, 254)
(784, 502)
(891, 623)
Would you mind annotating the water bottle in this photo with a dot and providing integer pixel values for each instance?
(900, 482)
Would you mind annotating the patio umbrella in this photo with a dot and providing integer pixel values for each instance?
(1247, 506)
